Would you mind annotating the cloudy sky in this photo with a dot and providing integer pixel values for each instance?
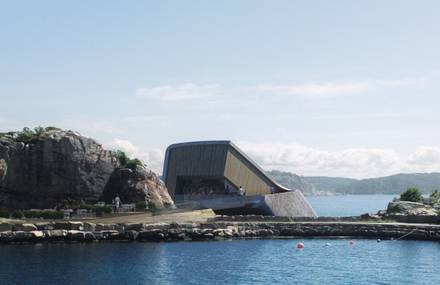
(338, 88)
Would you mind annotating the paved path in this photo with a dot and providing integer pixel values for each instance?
(178, 217)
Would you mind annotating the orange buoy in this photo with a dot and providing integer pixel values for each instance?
(350, 242)
(300, 245)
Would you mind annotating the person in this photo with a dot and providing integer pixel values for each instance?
(241, 191)
(117, 202)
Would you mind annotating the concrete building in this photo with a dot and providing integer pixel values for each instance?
(218, 175)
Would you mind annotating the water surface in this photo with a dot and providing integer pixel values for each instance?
(349, 205)
(227, 262)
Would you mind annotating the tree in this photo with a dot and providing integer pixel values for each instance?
(435, 197)
(122, 157)
(133, 163)
(411, 195)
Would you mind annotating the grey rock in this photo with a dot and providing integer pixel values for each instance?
(152, 235)
(59, 166)
(90, 227)
(56, 234)
(89, 236)
(410, 208)
(6, 236)
(140, 185)
(76, 226)
(44, 226)
(130, 235)
(133, 227)
(24, 227)
(61, 226)
(5, 227)
(63, 168)
(74, 235)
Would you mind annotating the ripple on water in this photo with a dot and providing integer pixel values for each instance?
(229, 262)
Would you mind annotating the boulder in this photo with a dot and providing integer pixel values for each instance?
(133, 227)
(44, 226)
(138, 185)
(76, 226)
(5, 227)
(90, 227)
(406, 208)
(25, 227)
(89, 236)
(74, 235)
(56, 234)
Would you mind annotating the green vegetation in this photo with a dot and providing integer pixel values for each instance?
(28, 135)
(435, 197)
(98, 210)
(141, 206)
(4, 213)
(17, 214)
(127, 162)
(411, 195)
(52, 215)
(31, 214)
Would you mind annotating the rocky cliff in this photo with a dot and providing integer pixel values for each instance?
(51, 167)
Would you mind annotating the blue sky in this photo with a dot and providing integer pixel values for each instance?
(340, 88)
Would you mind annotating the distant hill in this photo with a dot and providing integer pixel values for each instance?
(394, 184)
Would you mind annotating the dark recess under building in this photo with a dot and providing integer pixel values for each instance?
(208, 174)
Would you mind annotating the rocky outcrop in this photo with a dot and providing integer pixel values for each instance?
(137, 185)
(58, 167)
(410, 209)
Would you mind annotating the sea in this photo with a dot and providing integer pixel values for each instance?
(349, 205)
(259, 261)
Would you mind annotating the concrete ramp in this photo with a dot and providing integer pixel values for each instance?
(288, 204)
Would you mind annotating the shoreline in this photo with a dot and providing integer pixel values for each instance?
(211, 230)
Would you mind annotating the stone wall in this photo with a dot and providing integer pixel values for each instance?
(89, 232)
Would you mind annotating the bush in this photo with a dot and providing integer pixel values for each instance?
(51, 215)
(435, 197)
(133, 163)
(4, 213)
(28, 135)
(122, 157)
(126, 161)
(48, 215)
(31, 214)
(17, 214)
(141, 206)
(411, 195)
(99, 210)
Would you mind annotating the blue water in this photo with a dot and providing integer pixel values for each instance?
(349, 205)
(226, 262)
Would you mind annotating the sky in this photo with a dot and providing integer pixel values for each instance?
(329, 88)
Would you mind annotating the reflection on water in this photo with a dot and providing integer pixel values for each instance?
(323, 261)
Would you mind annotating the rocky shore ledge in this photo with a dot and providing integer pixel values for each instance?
(216, 230)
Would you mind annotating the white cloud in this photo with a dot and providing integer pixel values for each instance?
(190, 91)
(305, 160)
(314, 89)
(425, 156)
(186, 91)
(331, 89)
